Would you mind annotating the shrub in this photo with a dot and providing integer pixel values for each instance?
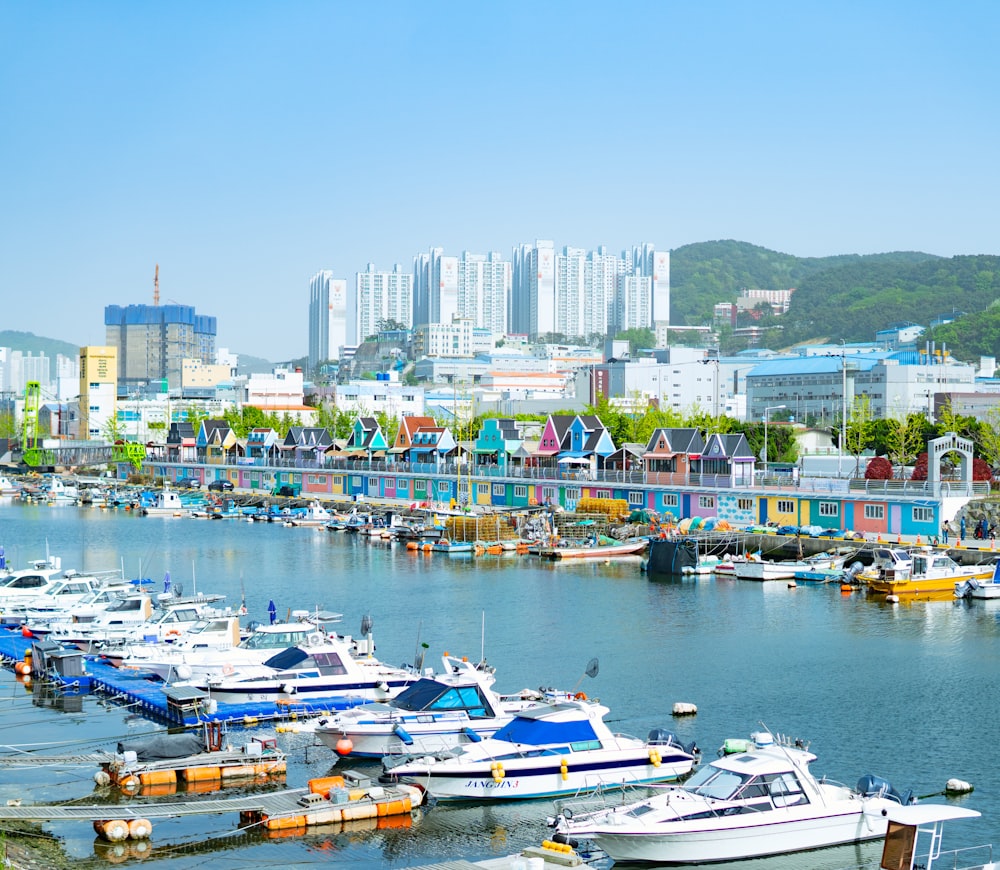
(879, 468)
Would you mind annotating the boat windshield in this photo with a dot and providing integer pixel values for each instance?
(275, 639)
(431, 695)
(714, 782)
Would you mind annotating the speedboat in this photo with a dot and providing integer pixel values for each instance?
(436, 713)
(313, 515)
(167, 503)
(547, 750)
(60, 594)
(759, 798)
(921, 573)
(978, 587)
(337, 670)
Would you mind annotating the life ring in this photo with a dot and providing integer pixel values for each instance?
(314, 639)
(227, 669)
(580, 696)
(173, 631)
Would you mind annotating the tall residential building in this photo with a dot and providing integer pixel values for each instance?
(532, 309)
(435, 294)
(98, 390)
(484, 283)
(153, 341)
(328, 318)
(654, 264)
(377, 297)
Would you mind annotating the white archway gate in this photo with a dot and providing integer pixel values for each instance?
(938, 448)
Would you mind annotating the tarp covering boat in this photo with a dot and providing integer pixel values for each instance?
(164, 746)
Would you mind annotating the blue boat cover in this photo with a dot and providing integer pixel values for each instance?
(538, 732)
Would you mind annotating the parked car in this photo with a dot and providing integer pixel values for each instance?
(220, 486)
(188, 483)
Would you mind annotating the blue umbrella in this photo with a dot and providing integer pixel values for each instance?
(166, 582)
(3, 559)
(272, 611)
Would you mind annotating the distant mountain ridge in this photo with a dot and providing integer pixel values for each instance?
(28, 342)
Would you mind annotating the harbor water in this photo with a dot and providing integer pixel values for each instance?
(905, 691)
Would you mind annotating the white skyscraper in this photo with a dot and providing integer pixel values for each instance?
(646, 260)
(328, 319)
(379, 296)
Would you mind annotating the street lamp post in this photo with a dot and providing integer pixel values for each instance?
(767, 410)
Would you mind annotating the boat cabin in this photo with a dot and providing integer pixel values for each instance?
(432, 696)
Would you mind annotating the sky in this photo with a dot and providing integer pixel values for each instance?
(244, 146)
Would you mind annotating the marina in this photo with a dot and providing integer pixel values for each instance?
(866, 681)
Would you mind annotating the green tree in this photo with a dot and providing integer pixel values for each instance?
(989, 436)
(904, 438)
(859, 429)
(638, 339)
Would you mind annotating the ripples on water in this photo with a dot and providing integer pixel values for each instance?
(905, 691)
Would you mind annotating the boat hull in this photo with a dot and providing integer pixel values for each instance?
(731, 838)
(544, 776)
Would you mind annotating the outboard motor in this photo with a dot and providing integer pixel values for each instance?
(874, 786)
(666, 737)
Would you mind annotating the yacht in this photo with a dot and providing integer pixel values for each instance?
(548, 750)
(759, 798)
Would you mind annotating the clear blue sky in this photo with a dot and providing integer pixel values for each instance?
(243, 146)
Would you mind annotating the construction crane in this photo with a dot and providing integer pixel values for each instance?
(156, 286)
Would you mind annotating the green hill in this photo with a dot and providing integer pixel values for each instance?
(28, 342)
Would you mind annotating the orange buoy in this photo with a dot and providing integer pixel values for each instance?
(344, 746)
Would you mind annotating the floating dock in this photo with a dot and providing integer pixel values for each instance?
(144, 693)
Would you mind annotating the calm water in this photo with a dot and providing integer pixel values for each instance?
(906, 692)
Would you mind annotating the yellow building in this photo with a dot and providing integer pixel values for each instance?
(98, 390)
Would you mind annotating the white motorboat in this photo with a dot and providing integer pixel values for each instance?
(60, 595)
(337, 671)
(7, 486)
(56, 491)
(978, 587)
(755, 568)
(548, 750)
(39, 616)
(28, 583)
(921, 573)
(758, 799)
(313, 515)
(436, 713)
(205, 654)
(168, 503)
(148, 642)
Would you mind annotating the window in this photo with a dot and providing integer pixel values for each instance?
(482, 489)
(499, 489)
(744, 504)
(785, 506)
(602, 493)
(874, 512)
(706, 501)
(402, 484)
(549, 492)
(520, 491)
(669, 500)
(635, 498)
(573, 493)
(923, 515)
(373, 483)
(829, 509)
(444, 486)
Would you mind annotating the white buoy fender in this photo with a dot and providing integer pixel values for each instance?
(682, 708)
(957, 786)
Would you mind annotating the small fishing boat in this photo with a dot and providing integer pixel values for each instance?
(705, 565)
(167, 503)
(759, 798)
(313, 515)
(7, 486)
(548, 750)
(444, 545)
(921, 573)
(598, 549)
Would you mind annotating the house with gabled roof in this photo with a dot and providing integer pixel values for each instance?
(409, 425)
(216, 442)
(432, 444)
(366, 438)
(554, 434)
(669, 454)
(307, 444)
(182, 442)
(727, 457)
(497, 440)
(263, 443)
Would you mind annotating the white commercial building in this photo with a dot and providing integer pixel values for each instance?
(385, 394)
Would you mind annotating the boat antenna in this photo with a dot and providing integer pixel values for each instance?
(592, 668)
(482, 640)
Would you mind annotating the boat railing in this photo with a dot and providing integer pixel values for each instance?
(965, 858)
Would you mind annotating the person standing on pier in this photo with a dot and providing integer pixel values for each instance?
(944, 533)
